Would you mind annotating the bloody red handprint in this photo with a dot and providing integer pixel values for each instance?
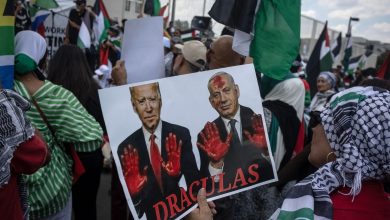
(258, 136)
(212, 144)
(135, 180)
(172, 166)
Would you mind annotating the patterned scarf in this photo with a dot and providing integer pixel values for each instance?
(357, 125)
(14, 127)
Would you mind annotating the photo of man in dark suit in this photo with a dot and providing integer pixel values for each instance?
(235, 139)
(155, 156)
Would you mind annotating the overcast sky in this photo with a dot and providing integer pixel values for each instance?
(374, 15)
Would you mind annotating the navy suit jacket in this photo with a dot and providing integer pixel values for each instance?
(151, 192)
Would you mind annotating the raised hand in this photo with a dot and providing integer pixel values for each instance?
(258, 136)
(215, 148)
(172, 166)
(135, 180)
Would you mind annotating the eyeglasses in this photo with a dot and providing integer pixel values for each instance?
(315, 119)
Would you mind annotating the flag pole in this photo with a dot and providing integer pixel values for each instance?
(204, 7)
(173, 12)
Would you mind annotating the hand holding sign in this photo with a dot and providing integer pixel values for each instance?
(215, 148)
(258, 136)
(135, 180)
(172, 166)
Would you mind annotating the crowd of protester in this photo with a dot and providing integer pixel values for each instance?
(331, 149)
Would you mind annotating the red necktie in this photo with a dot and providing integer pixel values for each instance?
(156, 160)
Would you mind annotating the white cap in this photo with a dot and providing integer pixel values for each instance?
(103, 70)
(194, 52)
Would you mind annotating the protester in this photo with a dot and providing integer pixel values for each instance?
(191, 59)
(348, 183)
(102, 76)
(76, 16)
(21, 152)
(222, 55)
(69, 68)
(112, 44)
(61, 119)
(326, 83)
(22, 18)
(168, 57)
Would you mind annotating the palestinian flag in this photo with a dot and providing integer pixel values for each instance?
(336, 47)
(354, 63)
(164, 12)
(152, 7)
(7, 22)
(347, 54)
(84, 39)
(384, 71)
(319, 60)
(102, 22)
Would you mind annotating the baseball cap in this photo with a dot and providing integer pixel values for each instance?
(194, 52)
(103, 70)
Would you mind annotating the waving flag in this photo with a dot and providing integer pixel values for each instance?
(336, 47)
(276, 28)
(84, 39)
(7, 21)
(102, 22)
(152, 7)
(384, 71)
(320, 60)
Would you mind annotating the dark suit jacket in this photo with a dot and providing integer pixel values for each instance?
(239, 157)
(151, 192)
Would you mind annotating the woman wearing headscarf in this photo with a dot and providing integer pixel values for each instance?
(22, 151)
(351, 145)
(326, 82)
(50, 187)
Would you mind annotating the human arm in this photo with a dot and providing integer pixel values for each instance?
(205, 210)
(30, 155)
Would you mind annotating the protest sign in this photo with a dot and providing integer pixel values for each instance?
(172, 136)
(142, 49)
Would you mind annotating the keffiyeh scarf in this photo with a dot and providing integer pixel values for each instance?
(357, 125)
(14, 129)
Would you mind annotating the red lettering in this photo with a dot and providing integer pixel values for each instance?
(191, 190)
(204, 185)
(184, 198)
(240, 177)
(157, 210)
(172, 202)
(253, 173)
(221, 184)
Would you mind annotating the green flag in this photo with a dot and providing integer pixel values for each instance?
(277, 37)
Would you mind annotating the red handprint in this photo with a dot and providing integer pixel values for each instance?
(215, 148)
(258, 136)
(172, 166)
(135, 180)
